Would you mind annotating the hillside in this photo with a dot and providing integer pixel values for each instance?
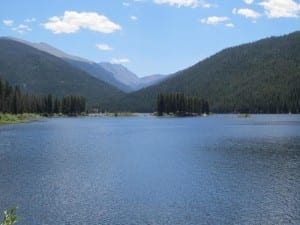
(50, 49)
(92, 68)
(97, 71)
(259, 77)
(130, 79)
(114, 74)
(39, 72)
(263, 76)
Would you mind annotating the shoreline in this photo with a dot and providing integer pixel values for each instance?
(8, 118)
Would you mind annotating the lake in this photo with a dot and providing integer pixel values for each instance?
(211, 170)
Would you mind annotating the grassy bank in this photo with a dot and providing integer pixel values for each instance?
(7, 118)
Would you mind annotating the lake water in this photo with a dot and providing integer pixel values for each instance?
(211, 170)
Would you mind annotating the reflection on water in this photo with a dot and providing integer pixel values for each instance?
(213, 170)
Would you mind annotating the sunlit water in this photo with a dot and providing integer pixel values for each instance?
(147, 170)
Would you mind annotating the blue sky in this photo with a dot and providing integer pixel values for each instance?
(147, 36)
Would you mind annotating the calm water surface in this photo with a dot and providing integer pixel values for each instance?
(145, 170)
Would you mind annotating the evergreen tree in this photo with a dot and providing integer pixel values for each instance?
(56, 109)
(14, 101)
(49, 104)
(1, 95)
(160, 104)
(179, 104)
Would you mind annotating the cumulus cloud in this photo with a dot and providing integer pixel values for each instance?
(214, 20)
(185, 3)
(126, 4)
(120, 61)
(178, 3)
(22, 28)
(104, 47)
(30, 20)
(133, 18)
(8, 22)
(231, 25)
(249, 2)
(72, 22)
(248, 13)
(281, 8)
(208, 5)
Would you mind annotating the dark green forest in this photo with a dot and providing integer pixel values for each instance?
(259, 77)
(13, 101)
(37, 72)
(181, 105)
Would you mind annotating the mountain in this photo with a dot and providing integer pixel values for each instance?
(84, 64)
(259, 77)
(151, 80)
(49, 49)
(95, 70)
(114, 74)
(56, 52)
(262, 76)
(38, 72)
(130, 79)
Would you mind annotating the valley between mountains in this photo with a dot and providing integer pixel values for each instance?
(258, 77)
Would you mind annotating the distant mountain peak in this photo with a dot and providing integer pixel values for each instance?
(121, 72)
(114, 74)
(42, 46)
(129, 78)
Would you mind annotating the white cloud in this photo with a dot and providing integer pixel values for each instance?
(126, 4)
(72, 22)
(214, 20)
(248, 13)
(281, 8)
(207, 5)
(120, 61)
(178, 3)
(231, 25)
(185, 3)
(8, 22)
(22, 28)
(249, 2)
(133, 18)
(30, 20)
(104, 47)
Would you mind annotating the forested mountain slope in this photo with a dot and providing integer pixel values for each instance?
(263, 76)
(114, 74)
(41, 73)
(259, 77)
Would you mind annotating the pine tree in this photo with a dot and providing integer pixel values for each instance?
(56, 109)
(179, 104)
(160, 104)
(1, 95)
(49, 104)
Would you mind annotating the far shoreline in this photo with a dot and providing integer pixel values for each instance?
(8, 118)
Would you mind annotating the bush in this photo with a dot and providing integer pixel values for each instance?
(10, 217)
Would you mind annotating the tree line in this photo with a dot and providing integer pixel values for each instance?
(13, 101)
(266, 103)
(180, 104)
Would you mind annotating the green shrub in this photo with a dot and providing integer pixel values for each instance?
(10, 217)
